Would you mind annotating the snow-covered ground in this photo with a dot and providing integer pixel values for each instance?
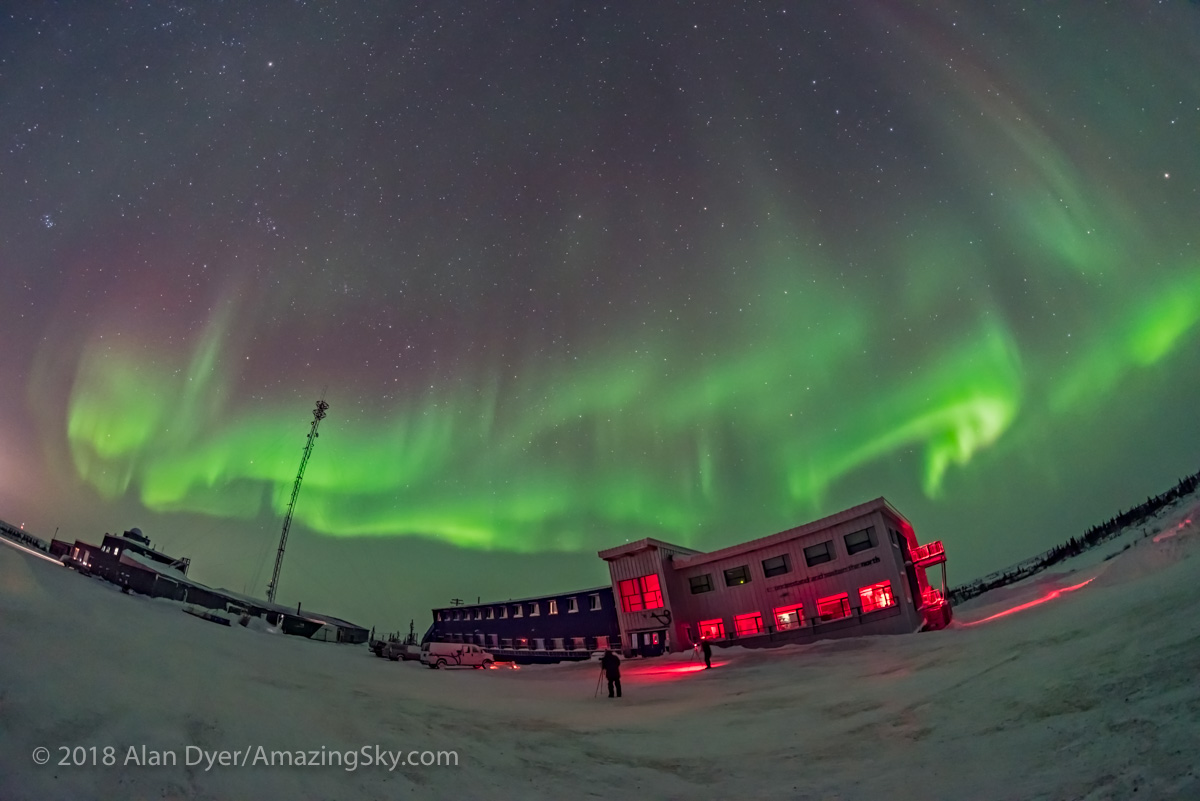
(1090, 695)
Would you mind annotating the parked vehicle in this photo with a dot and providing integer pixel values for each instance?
(451, 654)
(396, 650)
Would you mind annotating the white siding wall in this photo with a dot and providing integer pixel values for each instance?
(763, 594)
(642, 563)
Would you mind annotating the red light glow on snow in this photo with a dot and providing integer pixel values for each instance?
(1050, 596)
(666, 672)
(1163, 535)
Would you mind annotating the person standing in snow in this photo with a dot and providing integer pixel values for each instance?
(707, 649)
(611, 663)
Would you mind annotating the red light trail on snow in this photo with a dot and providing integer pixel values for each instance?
(1168, 534)
(1050, 596)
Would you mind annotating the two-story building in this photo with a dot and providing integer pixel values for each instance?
(856, 572)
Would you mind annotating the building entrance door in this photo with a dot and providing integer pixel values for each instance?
(652, 643)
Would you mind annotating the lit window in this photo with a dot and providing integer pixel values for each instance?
(503, 612)
(553, 607)
(594, 600)
(479, 614)
(834, 607)
(701, 583)
(818, 554)
(877, 596)
(712, 629)
(776, 565)
(748, 624)
(631, 595)
(602, 642)
(737, 575)
(491, 613)
(789, 617)
(637, 594)
(518, 610)
(860, 540)
(535, 609)
(572, 605)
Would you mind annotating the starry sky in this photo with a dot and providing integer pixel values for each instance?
(571, 274)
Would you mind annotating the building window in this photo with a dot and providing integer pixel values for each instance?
(503, 612)
(737, 575)
(637, 594)
(491, 613)
(577, 644)
(712, 629)
(558, 643)
(820, 553)
(701, 583)
(535, 609)
(594, 600)
(518, 610)
(520, 642)
(789, 617)
(749, 624)
(506, 643)
(860, 540)
(457, 615)
(777, 565)
(439, 617)
(877, 596)
(572, 605)
(553, 607)
(479, 614)
(834, 607)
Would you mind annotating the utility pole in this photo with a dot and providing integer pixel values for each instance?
(318, 416)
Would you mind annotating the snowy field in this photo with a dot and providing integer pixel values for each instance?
(1090, 695)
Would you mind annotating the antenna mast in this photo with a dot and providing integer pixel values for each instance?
(318, 416)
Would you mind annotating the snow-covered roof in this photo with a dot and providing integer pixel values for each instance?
(131, 556)
(646, 543)
(547, 597)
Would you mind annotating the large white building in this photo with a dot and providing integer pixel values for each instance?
(860, 571)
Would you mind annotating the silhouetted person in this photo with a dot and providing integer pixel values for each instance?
(707, 649)
(612, 671)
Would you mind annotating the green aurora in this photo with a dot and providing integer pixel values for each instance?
(700, 296)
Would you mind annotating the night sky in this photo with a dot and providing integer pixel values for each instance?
(572, 274)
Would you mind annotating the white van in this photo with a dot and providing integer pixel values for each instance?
(450, 654)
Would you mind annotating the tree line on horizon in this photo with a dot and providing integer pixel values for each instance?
(1076, 545)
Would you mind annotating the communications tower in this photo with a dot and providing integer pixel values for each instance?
(318, 416)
